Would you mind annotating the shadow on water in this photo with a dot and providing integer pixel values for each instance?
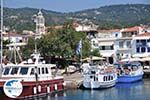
(132, 91)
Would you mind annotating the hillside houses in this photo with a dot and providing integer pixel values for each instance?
(114, 45)
(124, 43)
(16, 39)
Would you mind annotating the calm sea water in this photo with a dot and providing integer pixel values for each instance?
(135, 91)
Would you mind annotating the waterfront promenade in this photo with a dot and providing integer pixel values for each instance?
(73, 80)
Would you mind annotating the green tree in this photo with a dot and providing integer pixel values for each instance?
(29, 48)
(5, 43)
(63, 43)
(95, 52)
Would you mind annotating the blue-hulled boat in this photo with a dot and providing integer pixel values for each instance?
(129, 72)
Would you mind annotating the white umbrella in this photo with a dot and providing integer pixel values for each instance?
(93, 58)
(131, 59)
(97, 58)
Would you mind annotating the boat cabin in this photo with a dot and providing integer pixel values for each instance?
(128, 67)
(29, 72)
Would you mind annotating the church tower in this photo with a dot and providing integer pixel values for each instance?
(40, 23)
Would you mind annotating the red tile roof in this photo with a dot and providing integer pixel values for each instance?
(131, 29)
(109, 31)
(144, 34)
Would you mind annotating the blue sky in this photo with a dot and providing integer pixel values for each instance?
(68, 5)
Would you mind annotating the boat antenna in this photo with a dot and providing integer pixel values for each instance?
(1, 61)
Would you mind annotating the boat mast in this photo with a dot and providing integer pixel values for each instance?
(35, 45)
(1, 68)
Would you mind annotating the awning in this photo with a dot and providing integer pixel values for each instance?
(141, 55)
(131, 59)
(93, 58)
(146, 59)
(141, 38)
(105, 43)
(108, 54)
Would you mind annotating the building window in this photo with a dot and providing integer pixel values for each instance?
(103, 47)
(138, 49)
(121, 44)
(128, 44)
(148, 40)
(143, 42)
(143, 49)
(148, 43)
(137, 41)
(148, 49)
(107, 47)
(132, 33)
(112, 47)
(116, 35)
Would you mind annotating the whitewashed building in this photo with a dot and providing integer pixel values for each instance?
(118, 44)
(107, 49)
(89, 29)
(141, 45)
(124, 43)
(16, 40)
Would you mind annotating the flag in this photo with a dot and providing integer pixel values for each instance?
(79, 46)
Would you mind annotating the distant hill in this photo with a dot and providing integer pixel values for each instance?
(117, 15)
(21, 18)
(107, 17)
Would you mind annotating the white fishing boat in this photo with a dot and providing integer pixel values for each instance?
(97, 76)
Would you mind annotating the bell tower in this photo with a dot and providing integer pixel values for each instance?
(40, 23)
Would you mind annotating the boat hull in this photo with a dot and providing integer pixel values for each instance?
(98, 85)
(33, 88)
(129, 79)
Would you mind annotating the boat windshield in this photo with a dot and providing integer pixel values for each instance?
(6, 71)
(24, 70)
(14, 70)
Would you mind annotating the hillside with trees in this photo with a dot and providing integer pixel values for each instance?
(107, 17)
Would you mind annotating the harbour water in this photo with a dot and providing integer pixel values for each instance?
(135, 91)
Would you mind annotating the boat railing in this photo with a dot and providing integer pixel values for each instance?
(128, 71)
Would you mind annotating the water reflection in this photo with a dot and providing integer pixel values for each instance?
(135, 91)
(129, 91)
(130, 85)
